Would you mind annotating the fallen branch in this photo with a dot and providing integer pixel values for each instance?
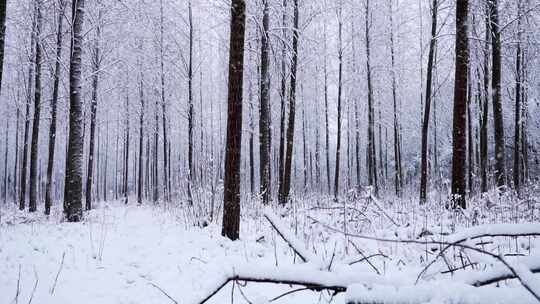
(499, 274)
(495, 230)
(525, 283)
(35, 286)
(18, 290)
(288, 237)
(58, 273)
(163, 292)
(311, 282)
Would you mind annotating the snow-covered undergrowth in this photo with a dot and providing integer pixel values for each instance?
(167, 253)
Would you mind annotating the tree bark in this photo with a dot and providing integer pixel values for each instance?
(372, 155)
(6, 153)
(166, 189)
(264, 122)
(140, 179)
(283, 97)
(427, 104)
(73, 181)
(191, 168)
(233, 149)
(518, 109)
(398, 179)
(24, 165)
(485, 109)
(284, 197)
(34, 148)
(340, 75)
(54, 102)
(3, 7)
(125, 186)
(459, 145)
(93, 114)
(500, 167)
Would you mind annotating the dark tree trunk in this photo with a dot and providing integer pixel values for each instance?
(54, 101)
(304, 143)
(340, 72)
(264, 122)
(6, 153)
(155, 155)
(470, 143)
(500, 168)
(251, 131)
(398, 179)
(427, 104)
(93, 114)
(191, 167)
(251, 149)
(459, 148)
(233, 149)
(166, 189)
(34, 148)
(283, 97)
(485, 109)
(74, 164)
(106, 157)
(140, 179)
(2, 35)
(372, 155)
(125, 186)
(16, 164)
(518, 150)
(284, 196)
(326, 124)
(116, 148)
(24, 165)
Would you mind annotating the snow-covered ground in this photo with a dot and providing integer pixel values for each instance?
(123, 254)
(146, 254)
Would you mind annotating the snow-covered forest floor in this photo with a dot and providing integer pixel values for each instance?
(147, 253)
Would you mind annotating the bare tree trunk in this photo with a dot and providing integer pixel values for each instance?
(93, 112)
(398, 179)
(148, 168)
(106, 157)
(190, 108)
(485, 108)
(427, 109)
(34, 148)
(340, 75)
(54, 102)
(74, 174)
(283, 96)
(2, 36)
(16, 164)
(116, 148)
(304, 143)
(317, 142)
(284, 197)
(326, 124)
(500, 167)
(459, 148)
(470, 144)
(264, 122)
(125, 185)
(140, 179)
(6, 152)
(233, 152)
(24, 166)
(518, 150)
(251, 131)
(166, 189)
(372, 155)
